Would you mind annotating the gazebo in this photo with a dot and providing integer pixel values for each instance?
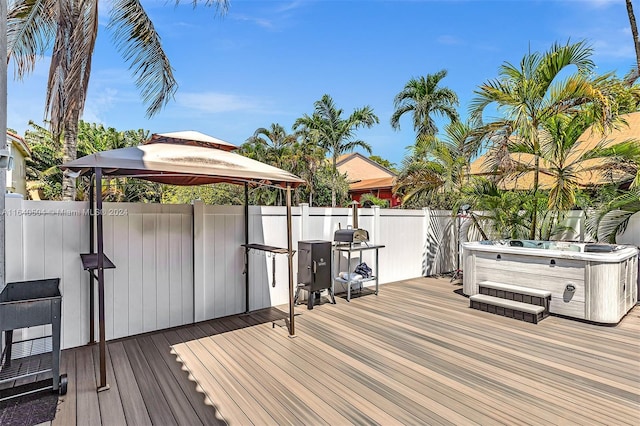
(180, 158)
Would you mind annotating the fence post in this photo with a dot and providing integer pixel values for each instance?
(199, 288)
(426, 223)
(375, 238)
(304, 222)
(15, 257)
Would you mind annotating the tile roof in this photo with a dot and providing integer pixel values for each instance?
(626, 131)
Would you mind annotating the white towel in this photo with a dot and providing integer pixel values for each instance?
(353, 276)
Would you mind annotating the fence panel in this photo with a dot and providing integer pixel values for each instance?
(45, 239)
(160, 281)
(403, 234)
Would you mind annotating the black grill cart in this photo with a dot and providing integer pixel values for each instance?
(29, 304)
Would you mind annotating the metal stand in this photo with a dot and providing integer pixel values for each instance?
(28, 304)
(348, 249)
(312, 294)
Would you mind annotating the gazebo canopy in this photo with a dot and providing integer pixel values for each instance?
(169, 159)
(191, 137)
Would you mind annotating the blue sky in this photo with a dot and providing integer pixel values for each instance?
(268, 61)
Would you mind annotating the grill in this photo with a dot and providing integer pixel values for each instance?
(351, 236)
(314, 264)
(314, 269)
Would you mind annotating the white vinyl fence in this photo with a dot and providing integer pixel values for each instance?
(177, 264)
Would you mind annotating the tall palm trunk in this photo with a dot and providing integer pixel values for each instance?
(70, 152)
(334, 178)
(636, 41)
(534, 215)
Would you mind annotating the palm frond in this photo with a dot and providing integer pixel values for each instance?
(138, 41)
(30, 32)
(612, 224)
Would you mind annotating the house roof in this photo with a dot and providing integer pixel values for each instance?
(19, 142)
(359, 168)
(590, 139)
(369, 184)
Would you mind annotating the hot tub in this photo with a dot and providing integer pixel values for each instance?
(593, 282)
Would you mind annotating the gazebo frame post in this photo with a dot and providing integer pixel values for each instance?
(92, 247)
(246, 250)
(292, 325)
(99, 222)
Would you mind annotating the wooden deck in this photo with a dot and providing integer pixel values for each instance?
(414, 354)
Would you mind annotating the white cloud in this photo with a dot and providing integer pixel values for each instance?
(607, 49)
(214, 102)
(450, 40)
(271, 17)
(261, 22)
(290, 6)
(598, 3)
(100, 103)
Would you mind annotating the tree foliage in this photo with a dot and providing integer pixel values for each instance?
(423, 99)
(44, 176)
(327, 128)
(531, 95)
(71, 27)
(384, 163)
(435, 171)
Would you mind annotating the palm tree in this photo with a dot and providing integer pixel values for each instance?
(42, 172)
(611, 218)
(327, 128)
(273, 146)
(423, 98)
(307, 161)
(503, 213)
(530, 94)
(435, 167)
(566, 162)
(72, 27)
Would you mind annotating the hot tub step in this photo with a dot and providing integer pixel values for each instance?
(516, 293)
(508, 308)
(515, 289)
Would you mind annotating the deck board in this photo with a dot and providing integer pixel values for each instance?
(66, 413)
(414, 354)
(133, 405)
(87, 404)
(177, 401)
(158, 405)
(109, 401)
(203, 409)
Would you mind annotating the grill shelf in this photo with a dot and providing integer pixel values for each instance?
(28, 358)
